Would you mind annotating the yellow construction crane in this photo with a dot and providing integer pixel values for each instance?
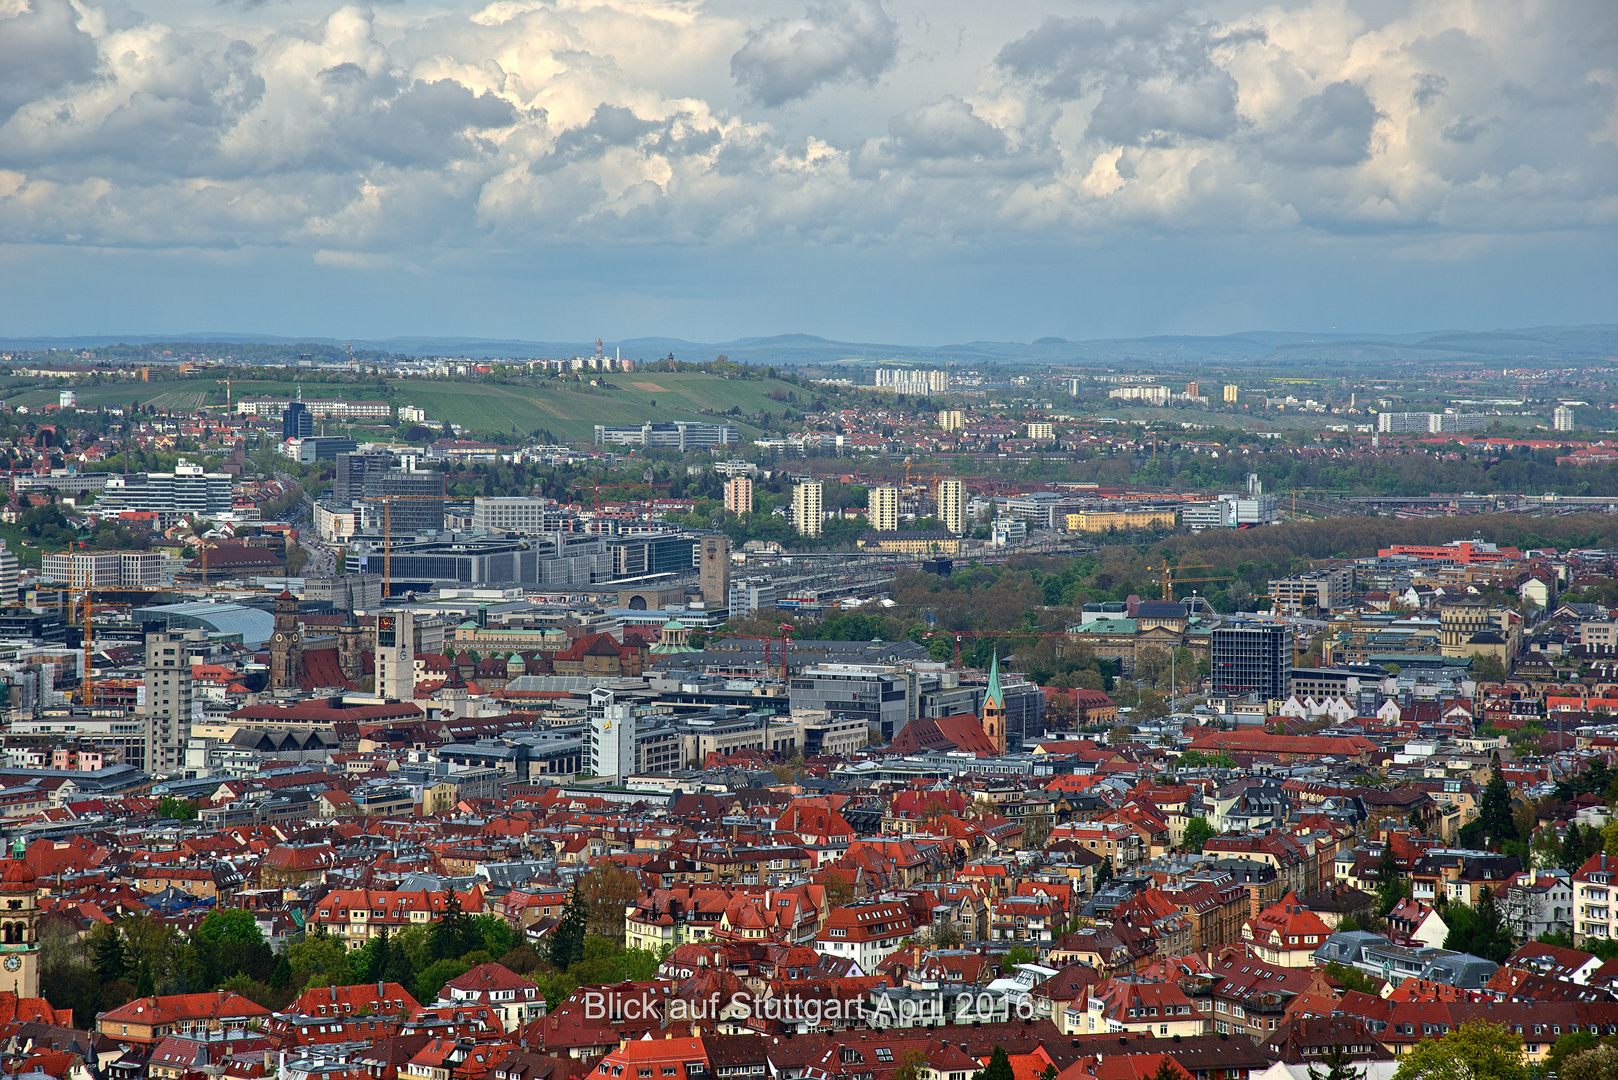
(387, 502)
(74, 589)
(1169, 580)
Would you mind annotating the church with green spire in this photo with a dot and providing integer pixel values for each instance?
(994, 707)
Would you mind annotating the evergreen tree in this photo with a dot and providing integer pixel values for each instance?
(451, 933)
(1490, 933)
(380, 957)
(145, 986)
(1572, 855)
(998, 1068)
(1104, 872)
(567, 940)
(110, 963)
(400, 968)
(1337, 1066)
(281, 975)
(1390, 887)
(1495, 814)
(1168, 1070)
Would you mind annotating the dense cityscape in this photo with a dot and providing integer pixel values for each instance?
(890, 722)
(808, 540)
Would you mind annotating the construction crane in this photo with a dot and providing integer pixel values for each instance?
(77, 588)
(1169, 580)
(767, 639)
(387, 502)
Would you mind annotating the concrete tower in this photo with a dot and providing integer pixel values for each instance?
(395, 656)
(714, 575)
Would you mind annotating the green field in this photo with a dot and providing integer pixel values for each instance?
(567, 410)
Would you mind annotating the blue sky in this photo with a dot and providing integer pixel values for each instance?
(861, 169)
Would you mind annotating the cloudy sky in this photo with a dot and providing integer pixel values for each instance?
(922, 172)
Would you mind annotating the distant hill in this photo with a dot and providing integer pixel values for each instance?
(1530, 344)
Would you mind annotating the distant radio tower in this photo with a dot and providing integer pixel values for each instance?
(598, 348)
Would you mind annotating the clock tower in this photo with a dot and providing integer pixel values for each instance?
(19, 926)
(286, 644)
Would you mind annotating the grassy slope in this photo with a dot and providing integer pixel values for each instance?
(568, 413)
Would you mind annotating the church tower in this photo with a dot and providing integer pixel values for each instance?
(286, 644)
(351, 648)
(994, 708)
(19, 926)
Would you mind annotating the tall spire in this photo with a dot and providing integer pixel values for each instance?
(995, 694)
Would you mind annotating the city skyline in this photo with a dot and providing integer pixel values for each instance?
(854, 169)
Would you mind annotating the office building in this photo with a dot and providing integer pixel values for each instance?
(807, 512)
(521, 514)
(879, 696)
(1562, 419)
(1253, 660)
(676, 435)
(416, 500)
(739, 495)
(1325, 590)
(395, 656)
(166, 715)
(651, 553)
(1041, 509)
(297, 422)
(347, 592)
(325, 408)
(352, 469)
(101, 569)
(312, 448)
(1234, 511)
(557, 559)
(186, 492)
(748, 598)
(883, 509)
(952, 506)
(8, 575)
(714, 574)
(611, 750)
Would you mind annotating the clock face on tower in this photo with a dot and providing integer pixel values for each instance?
(13, 963)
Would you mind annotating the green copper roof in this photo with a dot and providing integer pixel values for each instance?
(995, 694)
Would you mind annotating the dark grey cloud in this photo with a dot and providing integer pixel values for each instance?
(1430, 86)
(1154, 70)
(613, 127)
(42, 50)
(835, 41)
(1331, 128)
(948, 128)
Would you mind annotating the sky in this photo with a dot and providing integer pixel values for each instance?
(866, 170)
